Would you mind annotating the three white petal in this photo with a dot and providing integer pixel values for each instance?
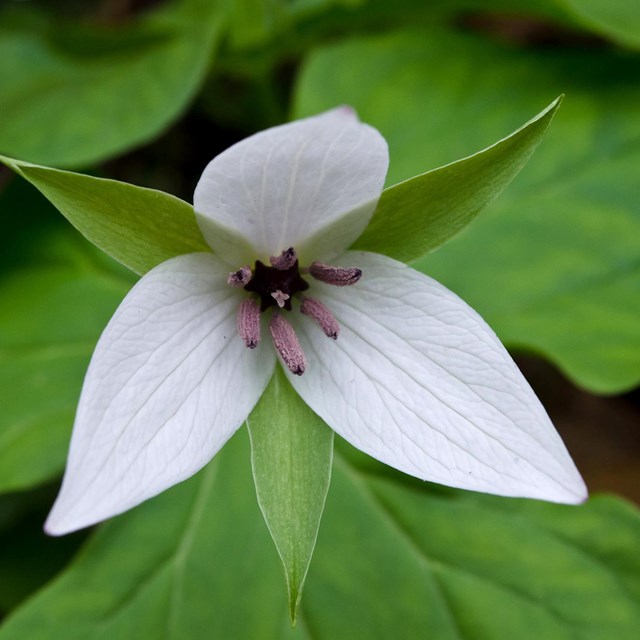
(416, 379)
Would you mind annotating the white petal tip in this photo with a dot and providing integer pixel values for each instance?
(579, 496)
(59, 524)
(574, 490)
(347, 110)
(55, 529)
(574, 495)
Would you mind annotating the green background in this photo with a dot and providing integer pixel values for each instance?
(147, 93)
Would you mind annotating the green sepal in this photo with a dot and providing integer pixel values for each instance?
(139, 227)
(292, 454)
(418, 215)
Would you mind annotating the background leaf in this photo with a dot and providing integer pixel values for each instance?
(553, 266)
(106, 89)
(615, 19)
(194, 563)
(28, 557)
(292, 454)
(416, 216)
(395, 558)
(138, 227)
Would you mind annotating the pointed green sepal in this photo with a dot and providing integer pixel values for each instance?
(138, 227)
(418, 215)
(292, 454)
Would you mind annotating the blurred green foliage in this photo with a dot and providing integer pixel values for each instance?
(552, 265)
(76, 94)
(393, 560)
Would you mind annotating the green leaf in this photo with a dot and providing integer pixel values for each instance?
(615, 19)
(481, 566)
(418, 215)
(77, 95)
(194, 563)
(29, 558)
(138, 227)
(553, 264)
(396, 559)
(292, 453)
(58, 294)
(252, 22)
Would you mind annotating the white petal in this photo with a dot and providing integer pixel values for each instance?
(419, 381)
(168, 384)
(311, 183)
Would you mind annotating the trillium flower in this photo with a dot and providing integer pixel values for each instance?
(394, 362)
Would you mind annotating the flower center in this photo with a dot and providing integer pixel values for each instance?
(276, 287)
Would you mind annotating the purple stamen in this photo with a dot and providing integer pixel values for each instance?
(239, 278)
(276, 286)
(316, 310)
(286, 343)
(286, 260)
(248, 322)
(338, 276)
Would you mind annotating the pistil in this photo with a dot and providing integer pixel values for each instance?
(280, 297)
(277, 284)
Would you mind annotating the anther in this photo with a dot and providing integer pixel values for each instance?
(248, 322)
(316, 310)
(338, 276)
(287, 345)
(239, 278)
(280, 298)
(285, 260)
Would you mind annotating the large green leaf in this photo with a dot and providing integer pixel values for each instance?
(416, 216)
(292, 454)
(138, 227)
(76, 95)
(394, 559)
(615, 19)
(196, 563)
(58, 293)
(553, 265)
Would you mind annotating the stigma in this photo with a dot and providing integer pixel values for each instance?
(275, 288)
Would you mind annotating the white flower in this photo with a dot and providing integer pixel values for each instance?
(415, 378)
